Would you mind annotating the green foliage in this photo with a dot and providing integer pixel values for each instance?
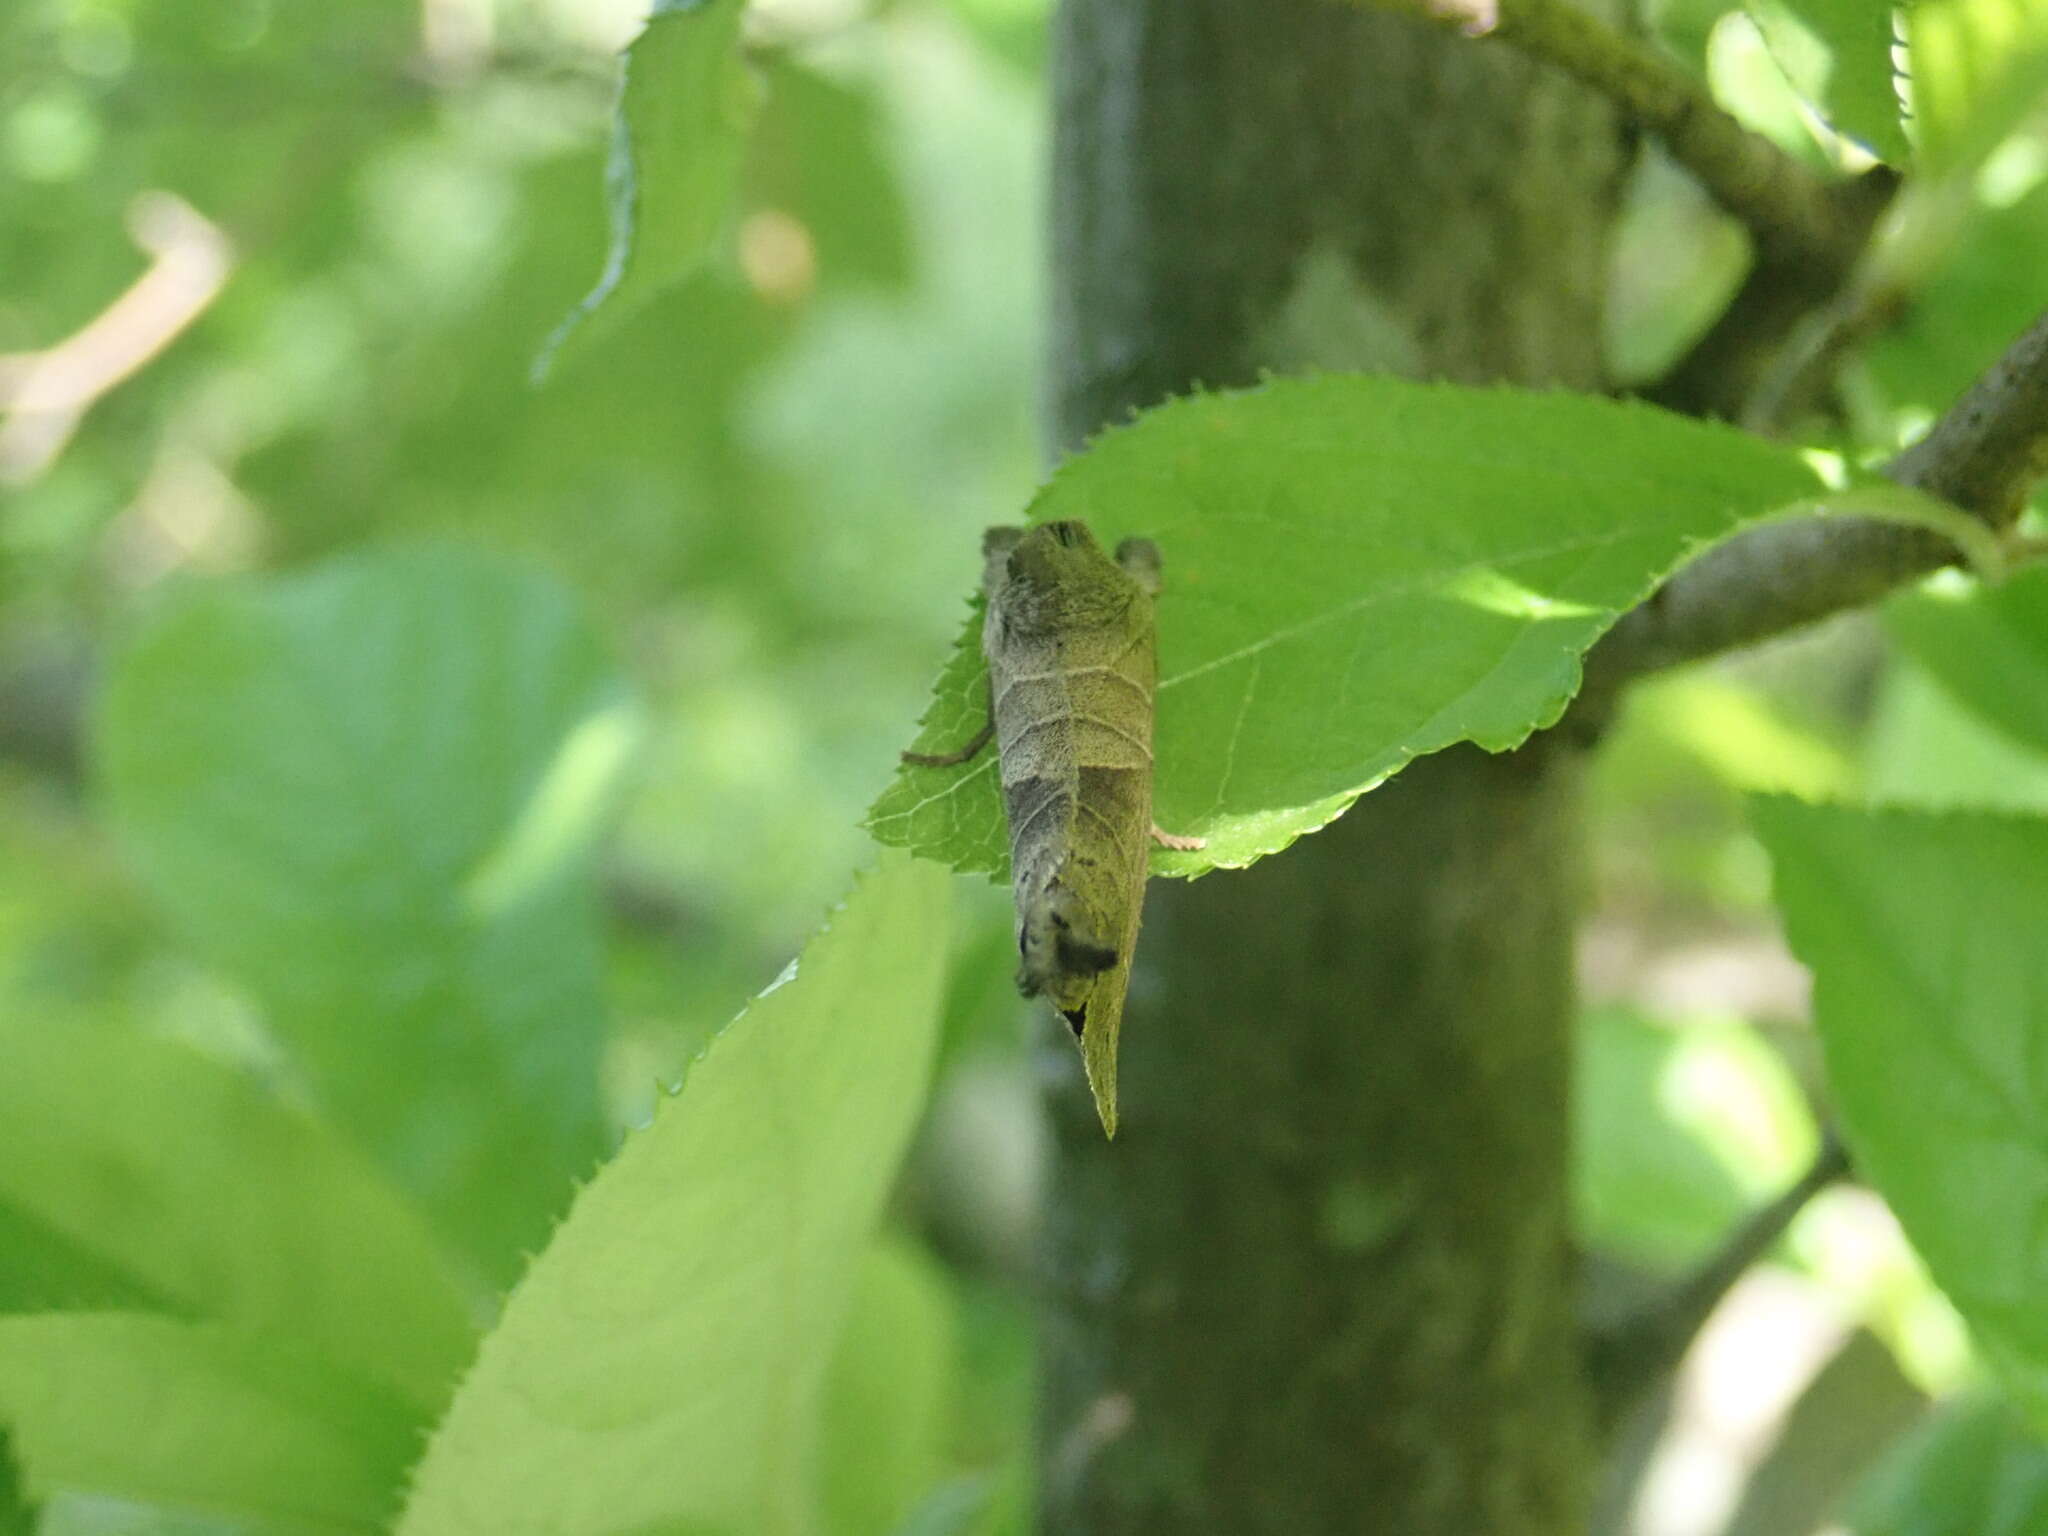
(1977, 69)
(1987, 646)
(1409, 566)
(17, 1515)
(144, 1174)
(371, 793)
(661, 1366)
(1679, 1129)
(1925, 748)
(1974, 1470)
(1977, 298)
(1931, 993)
(262, 1167)
(1837, 54)
(887, 1396)
(200, 1416)
(686, 104)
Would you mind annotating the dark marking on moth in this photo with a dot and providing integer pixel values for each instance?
(1077, 1020)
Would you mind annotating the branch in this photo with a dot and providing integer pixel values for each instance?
(1631, 1358)
(1984, 455)
(1786, 206)
(44, 395)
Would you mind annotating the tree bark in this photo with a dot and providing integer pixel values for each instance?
(1320, 1281)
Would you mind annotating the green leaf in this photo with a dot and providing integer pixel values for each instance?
(1924, 933)
(44, 1269)
(1967, 308)
(1977, 67)
(822, 154)
(1972, 1470)
(887, 1394)
(95, 1514)
(1678, 1132)
(1359, 570)
(371, 793)
(661, 1366)
(687, 102)
(192, 1188)
(1924, 748)
(1838, 55)
(1986, 645)
(200, 1417)
(17, 1515)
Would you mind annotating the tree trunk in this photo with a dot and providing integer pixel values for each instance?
(1320, 1282)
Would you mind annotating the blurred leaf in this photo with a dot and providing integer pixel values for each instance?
(1678, 1131)
(1968, 309)
(1838, 55)
(1924, 934)
(687, 101)
(371, 791)
(957, 1508)
(43, 1269)
(92, 1514)
(1926, 748)
(887, 1394)
(661, 1365)
(1973, 1470)
(821, 154)
(202, 1417)
(1317, 631)
(1977, 67)
(17, 1515)
(186, 1180)
(1986, 645)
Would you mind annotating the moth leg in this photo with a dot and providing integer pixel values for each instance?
(1178, 844)
(948, 759)
(1140, 560)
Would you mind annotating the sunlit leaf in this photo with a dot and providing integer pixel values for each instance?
(371, 792)
(1838, 55)
(1399, 566)
(661, 1366)
(1924, 933)
(1977, 68)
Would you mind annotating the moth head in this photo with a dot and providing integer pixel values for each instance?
(1056, 573)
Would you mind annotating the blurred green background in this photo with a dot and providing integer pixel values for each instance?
(273, 279)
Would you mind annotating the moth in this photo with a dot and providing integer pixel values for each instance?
(1072, 668)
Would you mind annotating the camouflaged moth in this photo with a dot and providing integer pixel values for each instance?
(1072, 666)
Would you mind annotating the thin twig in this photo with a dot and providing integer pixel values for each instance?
(1635, 1356)
(1984, 455)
